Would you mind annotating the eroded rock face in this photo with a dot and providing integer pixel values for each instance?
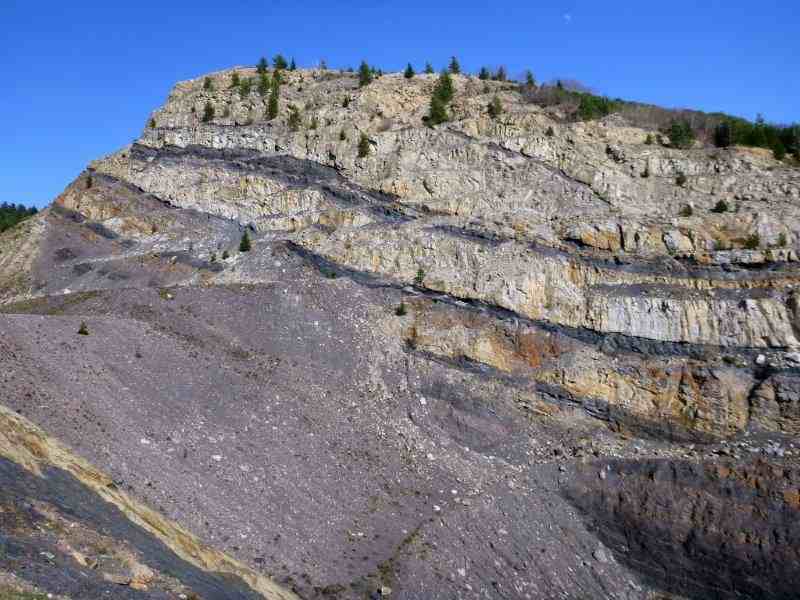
(701, 530)
(586, 229)
(425, 345)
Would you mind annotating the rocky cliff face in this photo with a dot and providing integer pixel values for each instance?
(585, 231)
(521, 290)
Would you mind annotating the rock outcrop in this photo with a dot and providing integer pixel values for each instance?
(585, 230)
(411, 381)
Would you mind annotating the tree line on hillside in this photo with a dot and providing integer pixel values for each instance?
(11, 214)
(577, 102)
(681, 126)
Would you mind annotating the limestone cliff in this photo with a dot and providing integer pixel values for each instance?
(581, 227)
(453, 363)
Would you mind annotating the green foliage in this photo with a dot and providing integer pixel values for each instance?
(244, 243)
(409, 72)
(342, 136)
(83, 329)
(681, 179)
(649, 139)
(419, 278)
(12, 214)
(152, 123)
(680, 134)
(314, 122)
(363, 146)
(752, 241)
(245, 87)
(781, 240)
(593, 107)
(495, 108)
(444, 89)
(234, 80)
(208, 112)
(295, 120)
(720, 207)
(346, 102)
(279, 62)
(272, 104)
(437, 112)
(455, 67)
(208, 85)
(530, 80)
(760, 134)
(263, 84)
(293, 65)
(401, 311)
(262, 66)
(442, 95)
(501, 74)
(484, 74)
(429, 68)
(779, 150)
(550, 132)
(225, 255)
(364, 74)
(723, 135)
(89, 182)
(686, 211)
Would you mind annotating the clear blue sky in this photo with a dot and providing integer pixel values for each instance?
(81, 76)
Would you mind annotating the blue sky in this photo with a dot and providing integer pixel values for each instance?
(80, 77)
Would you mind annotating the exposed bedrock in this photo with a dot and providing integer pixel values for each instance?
(566, 290)
(721, 531)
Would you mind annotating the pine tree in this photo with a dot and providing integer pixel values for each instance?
(363, 146)
(455, 68)
(500, 74)
(234, 79)
(208, 112)
(293, 65)
(530, 80)
(364, 74)
(263, 84)
(244, 243)
(429, 68)
(83, 329)
(409, 72)
(272, 105)
(323, 65)
(723, 135)
(495, 108)
(438, 111)
(245, 87)
(681, 134)
(208, 85)
(262, 66)
(444, 88)
(484, 74)
(279, 62)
